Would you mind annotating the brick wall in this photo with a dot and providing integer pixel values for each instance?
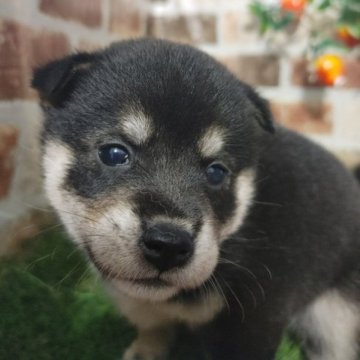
(33, 32)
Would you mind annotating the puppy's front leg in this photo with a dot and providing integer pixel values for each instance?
(254, 339)
(151, 344)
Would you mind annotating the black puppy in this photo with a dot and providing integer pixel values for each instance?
(169, 173)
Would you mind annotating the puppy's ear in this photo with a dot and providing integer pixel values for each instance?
(263, 113)
(56, 80)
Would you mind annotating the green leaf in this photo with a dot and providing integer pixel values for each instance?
(286, 19)
(258, 9)
(324, 4)
(354, 30)
(351, 3)
(261, 12)
(324, 44)
(349, 16)
(288, 350)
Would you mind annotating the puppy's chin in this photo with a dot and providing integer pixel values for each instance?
(149, 292)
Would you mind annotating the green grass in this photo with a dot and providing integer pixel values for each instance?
(51, 307)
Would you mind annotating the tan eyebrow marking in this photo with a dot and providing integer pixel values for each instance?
(212, 141)
(137, 127)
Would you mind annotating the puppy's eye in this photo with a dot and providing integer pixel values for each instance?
(113, 154)
(216, 174)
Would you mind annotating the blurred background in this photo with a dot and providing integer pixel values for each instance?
(301, 55)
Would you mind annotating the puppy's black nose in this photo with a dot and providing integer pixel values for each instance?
(166, 246)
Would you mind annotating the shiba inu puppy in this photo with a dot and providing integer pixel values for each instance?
(196, 209)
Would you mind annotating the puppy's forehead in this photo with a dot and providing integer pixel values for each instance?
(139, 128)
(160, 126)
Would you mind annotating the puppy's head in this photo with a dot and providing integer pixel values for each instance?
(149, 156)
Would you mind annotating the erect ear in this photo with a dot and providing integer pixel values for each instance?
(263, 113)
(56, 80)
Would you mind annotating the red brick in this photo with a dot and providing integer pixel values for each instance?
(8, 143)
(25, 48)
(352, 77)
(127, 18)
(12, 66)
(254, 69)
(47, 46)
(195, 29)
(305, 117)
(300, 73)
(86, 12)
(238, 27)
(85, 45)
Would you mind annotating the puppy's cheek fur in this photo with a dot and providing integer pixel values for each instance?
(57, 161)
(114, 241)
(244, 192)
(111, 231)
(118, 220)
(210, 236)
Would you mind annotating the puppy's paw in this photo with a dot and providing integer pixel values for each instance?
(139, 350)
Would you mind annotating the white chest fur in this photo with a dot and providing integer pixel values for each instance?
(147, 315)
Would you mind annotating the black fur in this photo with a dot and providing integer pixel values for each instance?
(55, 81)
(357, 173)
(304, 228)
(302, 235)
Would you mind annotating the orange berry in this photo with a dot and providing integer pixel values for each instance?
(329, 69)
(346, 37)
(295, 6)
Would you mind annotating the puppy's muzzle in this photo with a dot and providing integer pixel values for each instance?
(166, 246)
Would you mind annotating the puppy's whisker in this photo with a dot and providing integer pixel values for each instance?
(97, 235)
(241, 267)
(42, 258)
(264, 266)
(85, 273)
(221, 292)
(37, 233)
(252, 259)
(34, 207)
(236, 298)
(68, 274)
(110, 220)
(145, 171)
(251, 294)
(79, 216)
(247, 271)
(72, 252)
(267, 203)
(253, 243)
